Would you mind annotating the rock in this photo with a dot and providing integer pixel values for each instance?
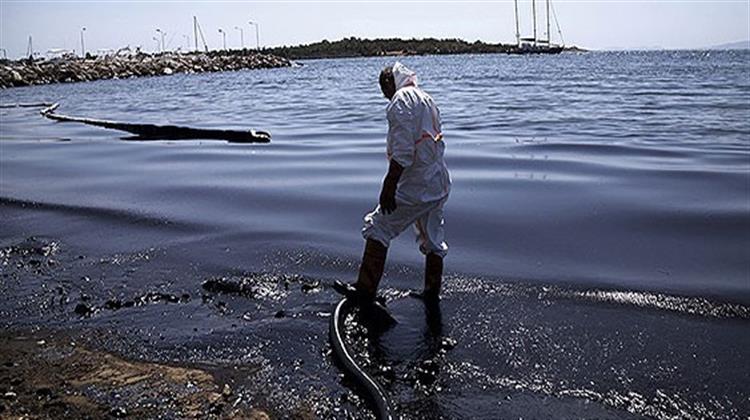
(118, 412)
(16, 77)
(448, 343)
(310, 286)
(22, 73)
(222, 286)
(83, 309)
(10, 395)
(259, 415)
(113, 304)
(227, 391)
(215, 408)
(387, 372)
(427, 372)
(280, 314)
(44, 392)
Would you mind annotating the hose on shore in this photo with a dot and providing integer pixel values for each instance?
(374, 392)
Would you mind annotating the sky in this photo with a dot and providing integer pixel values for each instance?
(595, 24)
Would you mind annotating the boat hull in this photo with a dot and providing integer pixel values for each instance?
(536, 49)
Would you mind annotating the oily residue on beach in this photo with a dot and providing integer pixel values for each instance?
(598, 231)
(518, 349)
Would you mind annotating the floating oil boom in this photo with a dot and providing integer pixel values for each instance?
(534, 44)
(144, 132)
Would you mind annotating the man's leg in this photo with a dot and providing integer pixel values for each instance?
(370, 273)
(433, 276)
(431, 236)
(379, 229)
(371, 268)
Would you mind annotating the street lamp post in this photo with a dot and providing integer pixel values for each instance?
(163, 34)
(157, 43)
(224, 37)
(257, 34)
(242, 37)
(83, 48)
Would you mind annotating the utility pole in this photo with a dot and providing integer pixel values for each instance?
(83, 48)
(257, 34)
(533, 11)
(518, 31)
(224, 37)
(242, 37)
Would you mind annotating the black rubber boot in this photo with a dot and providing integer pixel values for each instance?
(433, 279)
(370, 273)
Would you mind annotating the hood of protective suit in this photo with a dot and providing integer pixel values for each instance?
(403, 77)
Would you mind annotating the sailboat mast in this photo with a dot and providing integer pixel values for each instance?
(549, 37)
(533, 12)
(518, 32)
(195, 32)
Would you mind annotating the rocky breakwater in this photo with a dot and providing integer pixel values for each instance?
(68, 70)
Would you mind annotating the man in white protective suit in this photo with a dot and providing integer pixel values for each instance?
(414, 190)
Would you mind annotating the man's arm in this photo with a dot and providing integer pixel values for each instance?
(388, 192)
(400, 150)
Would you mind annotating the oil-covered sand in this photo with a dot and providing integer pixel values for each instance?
(81, 338)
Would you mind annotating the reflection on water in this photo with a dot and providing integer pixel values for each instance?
(618, 169)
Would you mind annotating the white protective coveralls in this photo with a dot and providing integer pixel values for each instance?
(416, 143)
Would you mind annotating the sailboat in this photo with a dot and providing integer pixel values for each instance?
(534, 44)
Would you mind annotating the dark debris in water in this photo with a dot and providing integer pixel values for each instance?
(33, 254)
(264, 286)
(86, 309)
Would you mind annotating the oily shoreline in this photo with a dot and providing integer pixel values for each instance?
(73, 349)
(69, 70)
(57, 374)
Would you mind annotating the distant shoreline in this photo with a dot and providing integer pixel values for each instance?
(26, 72)
(394, 47)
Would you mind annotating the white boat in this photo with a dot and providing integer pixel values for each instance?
(535, 44)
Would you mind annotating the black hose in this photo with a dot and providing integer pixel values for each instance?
(374, 393)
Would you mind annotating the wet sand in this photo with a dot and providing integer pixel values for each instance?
(57, 362)
(56, 374)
